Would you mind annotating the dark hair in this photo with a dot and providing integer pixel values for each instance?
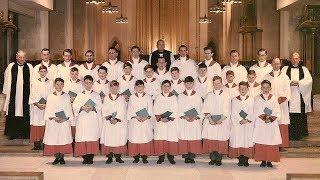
(181, 46)
(135, 47)
(266, 82)
(58, 80)
(148, 66)
(174, 69)
(161, 58)
(216, 78)
(188, 79)
(45, 49)
(251, 72)
(262, 50)
(89, 51)
(234, 51)
(113, 49)
(127, 64)
(68, 51)
(73, 69)
(229, 73)
(43, 67)
(160, 40)
(103, 68)
(166, 82)
(244, 83)
(88, 77)
(139, 82)
(202, 65)
(114, 83)
(208, 48)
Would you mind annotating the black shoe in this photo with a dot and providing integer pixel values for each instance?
(109, 160)
(218, 163)
(212, 162)
(281, 149)
(56, 161)
(36, 146)
(269, 164)
(192, 161)
(62, 161)
(171, 159)
(144, 159)
(186, 160)
(119, 160)
(263, 164)
(85, 159)
(161, 159)
(241, 161)
(245, 162)
(136, 160)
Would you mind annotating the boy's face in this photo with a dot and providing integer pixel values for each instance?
(139, 88)
(202, 72)
(127, 70)
(43, 73)
(217, 84)
(265, 88)
(230, 78)
(189, 85)
(67, 56)
(87, 84)
(243, 90)
(166, 88)
(175, 75)
(208, 54)
(149, 73)
(183, 51)
(114, 89)
(251, 78)
(74, 75)
(112, 54)
(102, 74)
(59, 86)
(161, 63)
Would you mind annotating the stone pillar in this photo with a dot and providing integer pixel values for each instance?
(69, 24)
(284, 35)
(226, 22)
(44, 29)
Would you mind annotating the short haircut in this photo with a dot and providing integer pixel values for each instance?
(266, 82)
(148, 66)
(112, 48)
(58, 80)
(160, 40)
(244, 83)
(181, 46)
(67, 51)
(127, 64)
(135, 47)
(234, 51)
(103, 68)
(114, 83)
(208, 48)
(166, 82)
(73, 69)
(262, 50)
(139, 82)
(252, 72)
(188, 79)
(229, 73)
(43, 67)
(216, 78)
(174, 69)
(45, 49)
(202, 65)
(88, 77)
(161, 58)
(89, 51)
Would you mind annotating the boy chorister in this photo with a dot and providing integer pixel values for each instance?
(59, 117)
(114, 135)
(203, 84)
(87, 110)
(165, 110)
(140, 124)
(242, 119)
(254, 86)
(40, 90)
(64, 68)
(189, 123)
(152, 85)
(266, 134)
(126, 81)
(231, 87)
(176, 83)
(162, 73)
(101, 85)
(113, 64)
(137, 63)
(216, 125)
(73, 85)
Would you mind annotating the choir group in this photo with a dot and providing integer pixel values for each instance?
(141, 108)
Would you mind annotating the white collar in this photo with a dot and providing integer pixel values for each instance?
(135, 60)
(207, 62)
(149, 79)
(46, 64)
(217, 92)
(189, 91)
(162, 72)
(233, 65)
(266, 96)
(165, 94)
(276, 73)
(262, 64)
(113, 62)
(243, 97)
(202, 79)
(102, 81)
(67, 63)
(183, 58)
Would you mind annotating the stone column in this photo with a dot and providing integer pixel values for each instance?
(69, 24)
(44, 29)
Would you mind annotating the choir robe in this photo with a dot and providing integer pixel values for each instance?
(137, 68)
(231, 89)
(261, 70)
(166, 133)
(16, 87)
(215, 137)
(152, 87)
(52, 70)
(214, 68)
(162, 75)
(126, 83)
(266, 136)
(114, 137)
(115, 69)
(57, 136)
(240, 73)
(88, 125)
(64, 69)
(187, 67)
(41, 88)
(189, 132)
(203, 85)
(254, 89)
(177, 85)
(101, 86)
(74, 86)
(241, 135)
(88, 69)
(300, 101)
(140, 133)
(280, 87)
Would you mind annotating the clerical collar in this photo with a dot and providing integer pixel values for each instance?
(135, 60)
(161, 72)
(20, 64)
(262, 64)
(183, 58)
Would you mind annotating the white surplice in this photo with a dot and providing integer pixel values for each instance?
(64, 69)
(240, 73)
(115, 69)
(88, 69)
(261, 69)
(187, 67)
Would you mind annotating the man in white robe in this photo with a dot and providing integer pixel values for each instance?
(235, 66)
(89, 67)
(45, 60)
(113, 64)
(262, 67)
(137, 63)
(214, 68)
(64, 68)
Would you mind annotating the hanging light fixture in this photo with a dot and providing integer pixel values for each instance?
(121, 19)
(218, 8)
(95, 2)
(205, 19)
(237, 2)
(110, 8)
